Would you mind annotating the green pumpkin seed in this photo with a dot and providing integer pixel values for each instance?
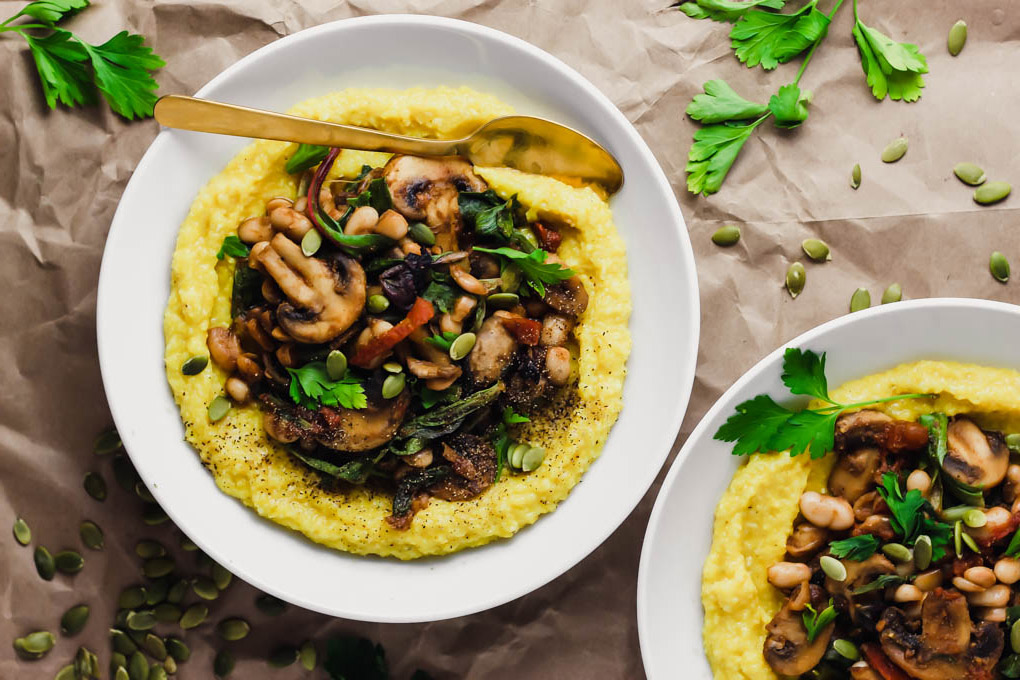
(957, 37)
(1014, 636)
(154, 646)
(975, 518)
(158, 567)
(153, 515)
(131, 598)
(95, 486)
(855, 177)
(282, 657)
(221, 576)
(223, 664)
(515, 455)
(896, 149)
(816, 249)
(232, 630)
(107, 442)
(957, 540)
(846, 649)
(34, 645)
(117, 660)
(156, 591)
(311, 242)
(124, 472)
(833, 568)
(68, 562)
(143, 492)
(86, 663)
(194, 616)
(992, 192)
(176, 593)
(148, 549)
(122, 644)
(187, 544)
(969, 541)
(308, 656)
(195, 365)
(203, 560)
(44, 563)
(218, 408)
(510, 279)
(205, 588)
(897, 552)
(74, 619)
(420, 233)
(860, 300)
(177, 650)
(998, 265)
(526, 239)
(158, 672)
(120, 620)
(393, 385)
(1013, 442)
(269, 605)
(922, 552)
(796, 277)
(143, 619)
(122, 674)
(336, 365)
(503, 300)
(166, 612)
(532, 458)
(22, 534)
(727, 236)
(91, 535)
(462, 346)
(138, 667)
(969, 173)
(894, 293)
(170, 665)
(377, 304)
(393, 367)
(66, 673)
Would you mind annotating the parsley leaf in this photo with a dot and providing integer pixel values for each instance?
(50, 11)
(789, 106)
(772, 39)
(723, 10)
(815, 622)
(713, 153)
(754, 424)
(511, 417)
(804, 373)
(892, 68)
(440, 294)
(808, 430)
(59, 59)
(720, 104)
(121, 66)
(306, 157)
(488, 214)
(880, 583)
(536, 270)
(442, 340)
(311, 387)
(905, 508)
(232, 246)
(856, 548)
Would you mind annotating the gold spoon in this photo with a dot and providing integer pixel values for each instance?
(526, 143)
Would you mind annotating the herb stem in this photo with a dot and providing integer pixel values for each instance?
(811, 53)
(4, 28)
(863, 404)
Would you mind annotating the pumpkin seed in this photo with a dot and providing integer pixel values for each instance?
(999, 266)
(957, 37)
(166, 612)
(95, 486)
(992, 192)
(311, 242)
(922, 552)
(462, 346)
(833, 568)
(66, 673)
(124, 472)
(727, 236)
(91, 535)
(176, 593)
(232, 630)
(846, 649)
(74, 619)
(158, 672)
(510, 279)
(503, 300)
(154, 646)
(153, 515)
(68, 562)
(377, 304)
(393, 367)
(975, 518)
(221, 576)
(194, 616)
(177, 650)
(203, 560)
(336, 365)
(195, 365)
(1014, 637)
(223, 664)
(86, 663)
(307, 656)
(969, 173)
(269, 605)
(143, 619)
(898, 552)
(148, 549)
(205, 588)
(107, 442)
(894, 293)
(122, 674)
(170, 665)
(143, 492)
(138, 667)
(187, 544)
(156, 591)
(22, 534)
(969, 541)
(796, 277)
(526, 239)
(393, 385)
(117, 660)
(218, 408)
(957, 541)
(1013, 442)
(44, 563)
(34, 645)
(281, 657)
(516, 455)
(855, 176)
(896, 149)
(158, 567)
(816, 249)
(860, 300)
(131, 598)
(532, 458)
(420, 233)
(122, 644)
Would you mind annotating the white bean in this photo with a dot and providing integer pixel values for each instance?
(786, 575)
(1007, 570)
(826, 511)
(996, 596)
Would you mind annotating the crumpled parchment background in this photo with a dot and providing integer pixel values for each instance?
(62, 173)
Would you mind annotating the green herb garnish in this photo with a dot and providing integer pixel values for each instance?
(892, 68)
(440, 294)
(511, 417)
(856, 548)
(377, 195)
(442, 340)
(1013, 549)
(488, 214)
(815, 622)
(311, 387)
(881, 582)
(911, 516)
(537, 272)
(723, 10)
(232, 246)
(306, 157)
(771, 39)
(720, 104)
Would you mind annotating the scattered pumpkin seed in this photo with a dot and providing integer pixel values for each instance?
(860, 300)
(420, 233)
(223, 664)
(221, 576)
(143, 619)
(816, 249)
(170, 665)
(120, 620)
(855, 177)
(34, 645)
(232, 630)
(311, 242)
(377, 304)
(156, 591)
(992, 192)
(44, 563)
(462, 346)
(727, 236)
(66, 673)
(166, 612)
(970, 173)
(205, 588)
(203, 560)
(218, 408)
(138, 667)
(122, 674)
(336, 365)
(969, 541)
(957, 541)
(131, 598)
(393, 367)
(975, 518)
(269, 605)
(1013, 442)
(147, 549)
(846, 649)
(177, 650)
(532, 458)
(195, 365)
(393, 385)
(187, 544)
(22, 533)
(158, 567)
(158, 672)
(833, 568)
(957, 37)
(503, 300)
(86, 663)
(894, 293)
(895, 150)
(1014, 637)
(107, 442)
(95, 486)
(154, 646)
(176, 593)
(143, 492)
(117, 660)
(91, 535)
(308, 656)
(194, 616)
(998, 265)
(124, 472)
(153, 515)
(796, 277)
(74, 619)
(526, 239)
(68, 561)
(897, 552)
(281, 657)
(516, 455)
(122, 644)
(922, 552)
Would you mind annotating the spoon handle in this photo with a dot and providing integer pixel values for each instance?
(200, 115)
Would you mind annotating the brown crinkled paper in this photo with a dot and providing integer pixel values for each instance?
(62, 173)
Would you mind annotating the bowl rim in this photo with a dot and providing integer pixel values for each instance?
(668, 432)
(728, 399)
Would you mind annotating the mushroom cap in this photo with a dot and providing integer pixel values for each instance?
(364, 429)
(568, 298)
(853, 475)
(493, 350)
(414, 181)
(805, 540)
(787, 649)
(974, 456)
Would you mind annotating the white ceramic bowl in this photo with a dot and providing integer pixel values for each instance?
(679, 532)
(134, 286)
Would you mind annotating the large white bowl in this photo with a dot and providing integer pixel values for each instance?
(679, 532)
(134, 286)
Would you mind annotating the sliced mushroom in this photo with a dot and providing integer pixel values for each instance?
(364, 429)
(493, 350)
(854, 473)
(805, 541)
(975, 457)
(325, 297)
(568, 298)
(437, 368)
(787, 649)
(474, 462)
(874, 429)
(224, 347)
(945, 621)
(280, 428)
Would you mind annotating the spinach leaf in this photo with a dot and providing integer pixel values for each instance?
(306, 157)
(377, 195)
(451, 414)
(442, 295)
(488, 214)
(355, 471)
(412, 483)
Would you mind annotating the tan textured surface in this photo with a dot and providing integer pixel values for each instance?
(61, 174)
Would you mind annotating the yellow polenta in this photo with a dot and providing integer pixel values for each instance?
(757, 512)
(262, 475)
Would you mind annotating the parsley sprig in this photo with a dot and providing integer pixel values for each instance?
(912, 516)
(71, 70)
(760, 424)
(815, 621)
(311, 387)
(537, 272)
(856, 548)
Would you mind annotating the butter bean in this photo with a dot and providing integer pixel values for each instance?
(785, 575)
(982, 576)
(1007, 570)
(996, 596)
